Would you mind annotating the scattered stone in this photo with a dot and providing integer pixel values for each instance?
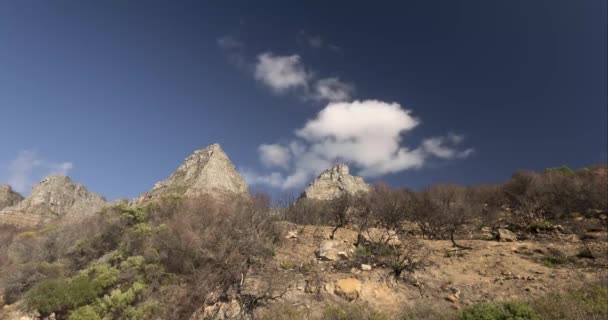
(333, 182)
(366, 267)
(292, 235)
(452, 298)
(348, 289)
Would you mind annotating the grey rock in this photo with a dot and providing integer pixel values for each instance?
(334, 182)
(8, 197)
(52, 198)
(206, 172)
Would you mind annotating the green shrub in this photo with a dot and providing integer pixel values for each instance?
(134, 215)
(103, 275)
(499, 311)
(61, 295)
(118, 301)
(84, 313)
(374, 249)
(21, 278)
(345, 311)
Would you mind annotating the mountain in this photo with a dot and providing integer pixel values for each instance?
(333, 182)
(53, 197)
(8, 197)
(206, 172)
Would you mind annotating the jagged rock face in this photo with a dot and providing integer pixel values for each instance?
(205, 172)
(53, 197)
(8, 197)
(333, 182)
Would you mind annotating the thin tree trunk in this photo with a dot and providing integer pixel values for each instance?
(454, 244)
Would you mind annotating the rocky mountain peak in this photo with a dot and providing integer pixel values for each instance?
(8, 197)
(334, 182)
(206, 171)
(53, 197)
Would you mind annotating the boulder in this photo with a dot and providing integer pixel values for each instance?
(349, 288)
(366, 267)
(332, 250)
(505, 235)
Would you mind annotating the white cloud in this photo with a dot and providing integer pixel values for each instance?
(366, 134)
(281, 73)
(315, 41)
(28, 167)
(274, 155)
(229, 42)
(274, 179)
(334, 90)
(441, 148)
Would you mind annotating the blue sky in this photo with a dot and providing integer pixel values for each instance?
(117, 93)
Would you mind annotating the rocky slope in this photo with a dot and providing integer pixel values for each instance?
(333, 182)
(8, 197)
(206, 171)
(53, 197)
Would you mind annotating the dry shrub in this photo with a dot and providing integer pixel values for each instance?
(211, 244)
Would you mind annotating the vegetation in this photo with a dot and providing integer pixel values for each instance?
(172, 256)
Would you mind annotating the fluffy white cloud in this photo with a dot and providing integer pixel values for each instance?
(274, 155)
(281, 73)
(332, 89)
(366, 134)
(28, 167)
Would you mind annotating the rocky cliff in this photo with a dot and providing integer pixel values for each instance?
(53, 197)
(206, 172)
(8, 197)
(334, 182)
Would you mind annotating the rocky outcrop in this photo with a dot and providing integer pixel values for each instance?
(8, 197)
(205, 172)
(52, 198)
(334, 182)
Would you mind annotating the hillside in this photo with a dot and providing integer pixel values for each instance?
(194, 247)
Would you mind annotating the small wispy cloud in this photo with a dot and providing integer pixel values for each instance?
(29, 167)
(287, 73)
(316, 41)
(281, 73)
(228, 42)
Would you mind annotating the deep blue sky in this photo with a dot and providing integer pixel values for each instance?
(125, 90)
